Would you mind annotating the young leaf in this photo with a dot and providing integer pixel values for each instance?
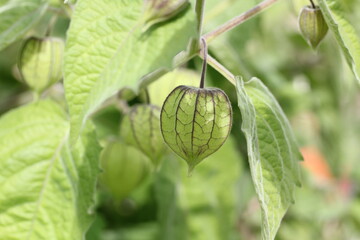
(107, 50)
(46, 188)
(272, 150)
(17, 17)
(344, 33)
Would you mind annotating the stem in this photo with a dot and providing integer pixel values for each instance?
(51, 25)
(312, 4)
(199, 8)
(205, 54)
(238, 20)
(220, 68)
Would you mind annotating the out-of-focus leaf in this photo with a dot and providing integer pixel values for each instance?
(46, 187)
(171, 218)
(17, 17)
(344, 33)
(211, 207)
(272, 150)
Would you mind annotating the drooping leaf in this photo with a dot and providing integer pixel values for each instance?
(344, 33)
(46, 187)
(107, 50)
(17, 17)
(272, 151)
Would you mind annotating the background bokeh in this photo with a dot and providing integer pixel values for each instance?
(318, 93)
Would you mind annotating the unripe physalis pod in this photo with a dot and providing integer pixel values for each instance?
(312, 25)
(141, 128)
(40, 62)
(124, 169)
(195, 122)
(156, 11)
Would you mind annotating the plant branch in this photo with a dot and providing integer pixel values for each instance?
(238, 20)
(199, 8)
(220, 68)
(205, 54)
(312, 4)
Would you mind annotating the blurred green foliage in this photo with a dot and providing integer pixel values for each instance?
(317, 91)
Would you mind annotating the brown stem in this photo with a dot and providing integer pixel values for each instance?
(238, 20)
(312, 4)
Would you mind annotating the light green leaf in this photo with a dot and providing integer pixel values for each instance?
(272, 150)
(46, 188)
(161, 88)
(107, 50)
(344, 33)
(17, 17)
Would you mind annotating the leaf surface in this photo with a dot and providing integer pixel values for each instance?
(272, 150)
(46, 188)
(17, 17)
(107, 50)
(344, 33)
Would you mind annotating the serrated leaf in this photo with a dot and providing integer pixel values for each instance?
(46, 188)
(272, 150)
(107, 50)
(17, 17)
(344, 33)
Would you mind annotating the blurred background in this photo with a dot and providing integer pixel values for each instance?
(318, 93)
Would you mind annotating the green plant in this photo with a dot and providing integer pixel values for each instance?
(123, 61)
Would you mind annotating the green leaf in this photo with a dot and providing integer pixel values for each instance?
(46, 187)
(17, 17)
(171, 218)
(161, 88)
(107, 50)
(344, 33)
(272, 150)
(209, 206)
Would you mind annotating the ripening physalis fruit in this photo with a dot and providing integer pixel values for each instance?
(312, 25)
(40, 62)
(124, 168)
(156, 11)
(141, 128)
(195, 122)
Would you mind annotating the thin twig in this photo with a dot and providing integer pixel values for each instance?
(220, 68)
(200, 5)
(205, 54)
(312, 4)
(238, 20)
